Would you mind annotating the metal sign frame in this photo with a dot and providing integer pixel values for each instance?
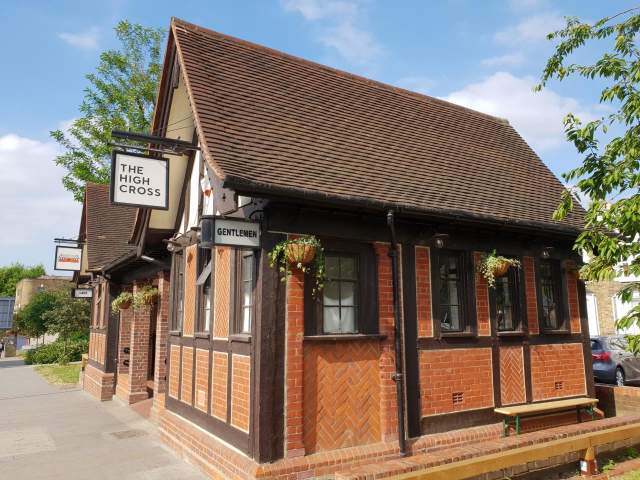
(112, 184)
(245, 220)
(55, 260)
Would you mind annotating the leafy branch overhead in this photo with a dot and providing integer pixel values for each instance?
(609, 175)
(120, 96)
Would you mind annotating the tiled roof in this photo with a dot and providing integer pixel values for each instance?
(271, 120)
(108, 227)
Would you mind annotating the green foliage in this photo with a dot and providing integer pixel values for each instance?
(609, 175)
(491, 263)
(31, 319)
(145, 296)
(122, 302)
(610, 465)
(11, 275)
(278, 258)
(60, 374)
(57, 352)
(120, 96)
(68, 317)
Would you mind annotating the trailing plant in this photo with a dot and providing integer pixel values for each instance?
(283, 256)
(145, 296)
(493, 265)
(122, 302)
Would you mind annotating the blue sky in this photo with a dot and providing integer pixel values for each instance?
(482, 54)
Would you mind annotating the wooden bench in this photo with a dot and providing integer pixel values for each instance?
(512, 415)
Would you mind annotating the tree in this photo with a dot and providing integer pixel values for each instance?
(120, 96)
(609, 175)
(31, 320)
(69, 318)
(11, 275)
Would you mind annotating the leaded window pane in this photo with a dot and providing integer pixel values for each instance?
(340, 297)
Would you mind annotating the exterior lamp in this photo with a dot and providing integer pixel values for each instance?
(206, 231)
(546, 252)
(438, 239)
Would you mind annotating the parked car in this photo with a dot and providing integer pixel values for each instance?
(612, 363)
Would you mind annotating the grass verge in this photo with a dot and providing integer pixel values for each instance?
(60, 374)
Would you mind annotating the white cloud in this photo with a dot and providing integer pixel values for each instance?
(510, 59)
(87, 40)
(530, 30)
(340, 28)
(417, 84)
(35, 206)
(537, 116)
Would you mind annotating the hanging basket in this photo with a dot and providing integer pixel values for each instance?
(126, 305)
(501, 269)
(300, 253)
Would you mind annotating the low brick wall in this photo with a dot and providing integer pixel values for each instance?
(618, 401)
(97, 383)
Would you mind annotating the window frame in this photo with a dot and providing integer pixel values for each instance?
(366, 321)
(236, 324)
(177, 287)
(518, 299)
(357, 296)
(205, 255)
(469, 322)
(560, 296)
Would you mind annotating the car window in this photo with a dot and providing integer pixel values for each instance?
(595, 345)
(618, 343)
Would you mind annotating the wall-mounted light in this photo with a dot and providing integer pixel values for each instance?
(438, 239)
(546, 252)
(206, 231)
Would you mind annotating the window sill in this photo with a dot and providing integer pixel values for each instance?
(513, 333)
(240, 338)
(344, 337)
(203, 335)
(555, 332)
(457, 334)
(175, 333)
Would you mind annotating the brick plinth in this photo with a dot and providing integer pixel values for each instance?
(98, 383)
(557, 371)
(294, 441)
(162, 333)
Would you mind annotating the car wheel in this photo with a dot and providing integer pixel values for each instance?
(619, 377)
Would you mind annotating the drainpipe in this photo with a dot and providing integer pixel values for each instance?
(398, 377)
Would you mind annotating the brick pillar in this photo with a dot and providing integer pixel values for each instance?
(388, 397)
(139, 356)
(124, 341)
(528, 264)
(162, 334)
(294, 441)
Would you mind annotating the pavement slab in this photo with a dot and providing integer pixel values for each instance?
(49, 432)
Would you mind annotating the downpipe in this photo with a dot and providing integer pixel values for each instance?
(398, 376)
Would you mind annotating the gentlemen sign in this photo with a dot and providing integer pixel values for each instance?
(230, 232)
(82, 292)
(68, 258)
(139, 180)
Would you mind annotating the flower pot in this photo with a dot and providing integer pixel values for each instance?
(125, 305)
(501, 269)
(300, 253)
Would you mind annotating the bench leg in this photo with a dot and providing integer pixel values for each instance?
(517, 424)
(579, 411)
(505, 427)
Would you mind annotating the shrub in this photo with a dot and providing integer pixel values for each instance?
(55, 352)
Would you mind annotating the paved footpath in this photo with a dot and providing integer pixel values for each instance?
(47, 432)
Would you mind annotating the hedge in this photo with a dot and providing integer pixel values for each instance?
(55, 353)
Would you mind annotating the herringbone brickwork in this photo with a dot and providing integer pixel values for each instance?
(482, 299)
(423, 292)
(222, 292)
(202, 379)
(530, 292)
(190, 277)
(512, 386)
(445, 373)
(174, 372)
(557, 371)
(186, 387)
(219, 380)
(240, 391)
(341, 395)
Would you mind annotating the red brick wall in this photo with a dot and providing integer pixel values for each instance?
(202, 379)
(222, 292)
(124, 339)
(174, 373)
(455, 379)
(482, 299)
(139, 356)
(512, 384)
(162, 333)
(190, 277)
(423, 292)
(341, 395)
(219, 372)
(186, 387)
(572, 293)
(97, 383)
(557, 371)
(530, 292)
(294, 444)
(240, 391)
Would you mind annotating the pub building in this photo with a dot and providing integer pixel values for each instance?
(406, 348)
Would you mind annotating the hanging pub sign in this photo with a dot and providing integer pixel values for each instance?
(139, 180)
(232, 232)
(68, 258)
(82, 292)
